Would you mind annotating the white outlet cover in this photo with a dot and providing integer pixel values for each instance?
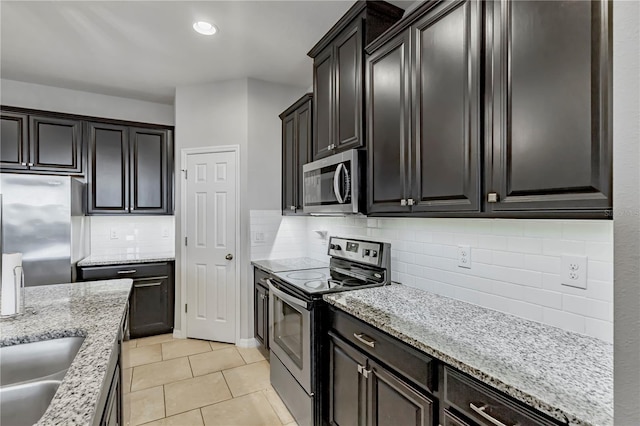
(113, 233)
(464, 256)
(574, 271)
(165, 232)
(259, 237)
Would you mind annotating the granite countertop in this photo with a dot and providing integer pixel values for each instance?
(566, 375)
(92, 310)
(294, 264)
(118, 259)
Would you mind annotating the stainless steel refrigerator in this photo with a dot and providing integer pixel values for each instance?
(43, 218)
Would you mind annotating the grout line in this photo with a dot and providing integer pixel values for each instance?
(202, 415)
(190, 366)
(164, 402)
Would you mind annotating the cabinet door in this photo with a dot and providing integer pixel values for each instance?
(388, 121)
(260, 324)
(289, 164)
(549, 105)
(112, 415)
(303, 150)
(108, 169)
(151, 307)
(13, 141)
(392, 401)
(150, 179)
(323, 136)
(55, 144)
(446, 145)
(347, 386)
(348, 91)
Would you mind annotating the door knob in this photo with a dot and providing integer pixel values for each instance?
(229, 256)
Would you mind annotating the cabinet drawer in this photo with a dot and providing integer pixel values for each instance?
(485, 406)
(451, 419)
(411, 363)
(260, 277)
(135, 270)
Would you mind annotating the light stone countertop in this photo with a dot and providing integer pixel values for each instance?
(566, 375)
(293, 264)
(93, 310)
(125, 258)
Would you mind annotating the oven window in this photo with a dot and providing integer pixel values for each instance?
(288, 326)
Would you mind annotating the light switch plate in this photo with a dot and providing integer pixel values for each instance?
(464, 256)
(574, 271)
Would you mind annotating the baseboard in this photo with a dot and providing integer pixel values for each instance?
(247, 343)
(177, 334)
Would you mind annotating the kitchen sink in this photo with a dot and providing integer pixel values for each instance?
(30, 375)
(46, 360)
(26, 403)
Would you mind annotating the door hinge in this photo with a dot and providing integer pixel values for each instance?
(185, 241)
(185, 308)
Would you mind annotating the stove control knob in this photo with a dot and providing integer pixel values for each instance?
(335, 247)
(366, 252)
(374, 253)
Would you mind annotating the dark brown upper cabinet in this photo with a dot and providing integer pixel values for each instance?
(130, 170)
(296, 150)
(41, 144)
(14, 145)
(423, 114)
(548, 137)
(338, 76)
(151, 169)
(389, 126)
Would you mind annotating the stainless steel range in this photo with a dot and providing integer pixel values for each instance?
(297, 318)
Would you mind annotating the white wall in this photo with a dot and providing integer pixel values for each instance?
(36, 96)
(515, 263)
(240, 112)
(626, 209)
(144, 235)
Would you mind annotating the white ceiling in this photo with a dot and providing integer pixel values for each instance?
(144, 49)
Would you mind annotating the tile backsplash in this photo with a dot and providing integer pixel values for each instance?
(515, 264)
(132, 234)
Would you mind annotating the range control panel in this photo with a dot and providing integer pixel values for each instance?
(369, 252)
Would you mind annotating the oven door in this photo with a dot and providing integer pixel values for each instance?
(331, 184)
(290, 334)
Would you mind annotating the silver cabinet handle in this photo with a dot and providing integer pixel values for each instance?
(264, 280)
(30, 164)
(147, 285)
(403, 202)
(127, 271)
(23, 164)
(292, 208)
(410, 201)
(492, 197)
(229, 256)
(363, 338)
(481, 411)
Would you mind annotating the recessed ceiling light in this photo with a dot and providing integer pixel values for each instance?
(205, 28)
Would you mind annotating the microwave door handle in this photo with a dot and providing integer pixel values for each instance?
(336, 183)
(287, 298)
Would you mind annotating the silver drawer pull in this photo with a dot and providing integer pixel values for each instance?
(128, 271)
(482, 412)
(147, 285)
(363, 338)
(263, 280)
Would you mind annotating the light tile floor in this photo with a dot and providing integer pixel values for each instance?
(187, 382)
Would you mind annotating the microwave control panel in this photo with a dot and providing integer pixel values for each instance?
(369, 252)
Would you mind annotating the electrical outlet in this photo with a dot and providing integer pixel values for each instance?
(259, 237)
(165, 232)
(574, 271)
(113, 234)
(464, 257)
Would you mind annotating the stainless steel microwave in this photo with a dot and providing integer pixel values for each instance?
(332, 185)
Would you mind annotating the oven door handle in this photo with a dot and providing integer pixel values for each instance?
(286, 297)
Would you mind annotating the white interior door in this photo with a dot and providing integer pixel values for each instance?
(211, 246)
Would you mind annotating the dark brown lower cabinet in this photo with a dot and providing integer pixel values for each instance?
(110, 408)
(261, 310)
(151, 304)
(364, 392)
